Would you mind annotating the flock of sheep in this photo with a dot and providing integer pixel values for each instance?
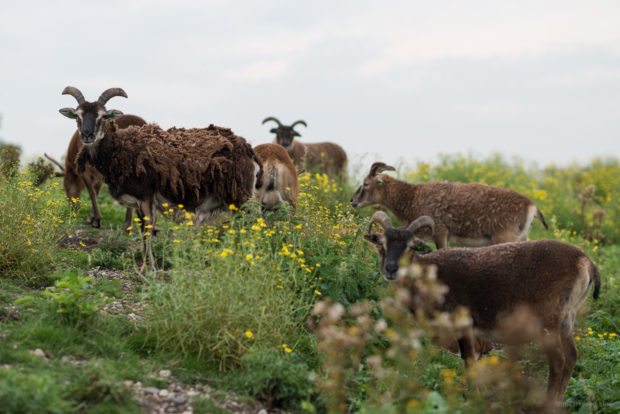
(497, 274)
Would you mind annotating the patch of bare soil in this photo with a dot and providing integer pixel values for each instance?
(81, 240)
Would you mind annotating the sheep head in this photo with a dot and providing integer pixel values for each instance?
(395, 244)
(285, 133)
(368, 193)
(91, 116)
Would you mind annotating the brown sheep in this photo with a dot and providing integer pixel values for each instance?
(469, 214)
(326, 156)
(280, 181)
(203, 169)
(74, 183)
(546, 280)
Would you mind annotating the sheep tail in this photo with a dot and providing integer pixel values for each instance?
(597, 280)
(542, 219)
(273, 178)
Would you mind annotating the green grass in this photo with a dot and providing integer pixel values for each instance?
(231, 304)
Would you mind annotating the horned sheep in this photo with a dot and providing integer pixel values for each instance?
(547, 279)
(468, 214)
(327, 156)
(280, 181)
(74, 183)
(204, 170)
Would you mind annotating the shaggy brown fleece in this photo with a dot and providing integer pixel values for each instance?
(184, 165)
(183, 158)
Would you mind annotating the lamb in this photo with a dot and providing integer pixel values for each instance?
(280, 181)
(469, 214)
(74, 183)
(546, 278)
(327, 156)
(205, 170)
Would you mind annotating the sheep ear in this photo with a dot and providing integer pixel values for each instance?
(113, 114)
(68, 112)
(372, 238)
(378, 180)
(273, 130)
(297, 134)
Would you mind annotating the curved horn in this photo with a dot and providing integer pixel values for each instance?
(109, 93)
(271, 118)
(378, 167)
(301, 121)
(382, 218)
(420, 222)
(75, 92)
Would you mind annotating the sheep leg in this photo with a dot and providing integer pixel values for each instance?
(94, 217)
(146, 213)
(128, 217)
(570, 352)
(467, 348)
(553, 347)
(73, 188)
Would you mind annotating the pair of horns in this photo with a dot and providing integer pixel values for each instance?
(271, 118)
(378, 167)
(382, 218)
(103, 99)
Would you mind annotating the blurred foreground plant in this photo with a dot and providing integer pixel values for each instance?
(396, 353)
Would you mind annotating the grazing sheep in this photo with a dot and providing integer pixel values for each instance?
(329, 157)
(468, 214)
(546, 279)
(203, 169)
(74, 183)
(280, 181)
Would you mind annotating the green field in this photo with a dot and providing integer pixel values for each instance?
(227, 323)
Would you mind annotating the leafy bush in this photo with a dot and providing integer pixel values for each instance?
(74, 297)
(252, 281)
(30, 226)
(275, 376)
(401, 373)
(9, 160)
(32, 393)
(40, 170)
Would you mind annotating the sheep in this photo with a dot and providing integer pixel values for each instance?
(74, 183)
(546, 278)
(326, 156)
(203, 169)
(280, 181)
(468, 214)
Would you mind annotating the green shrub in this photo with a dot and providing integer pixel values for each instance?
(35, 392)
(9, 160)
(281, 379)
(31, 223)
(252, 281)
(74, 297)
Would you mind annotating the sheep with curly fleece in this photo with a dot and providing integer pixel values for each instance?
(146, 167)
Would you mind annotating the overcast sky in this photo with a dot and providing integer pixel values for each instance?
(411, 79)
